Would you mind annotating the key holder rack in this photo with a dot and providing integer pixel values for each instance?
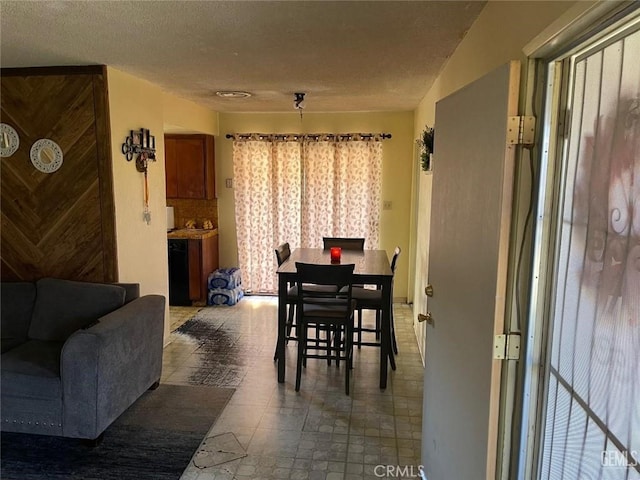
(141, 145)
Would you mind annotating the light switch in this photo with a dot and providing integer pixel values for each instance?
(386, 205)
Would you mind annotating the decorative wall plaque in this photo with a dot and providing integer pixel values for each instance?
(9, 140)
(46, 155)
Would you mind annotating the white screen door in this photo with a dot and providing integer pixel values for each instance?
(470, 223)
(590, 426)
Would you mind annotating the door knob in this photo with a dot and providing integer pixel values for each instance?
(428, 290)
(428, 318)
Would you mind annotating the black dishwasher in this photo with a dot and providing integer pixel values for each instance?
(179, 272)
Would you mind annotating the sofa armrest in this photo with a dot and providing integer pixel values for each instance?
(106, 367)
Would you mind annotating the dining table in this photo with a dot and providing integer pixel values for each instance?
(371, 268)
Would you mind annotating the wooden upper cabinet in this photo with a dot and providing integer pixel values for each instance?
(190, 166)
(171, 167)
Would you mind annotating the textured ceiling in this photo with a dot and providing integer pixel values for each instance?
(346, 55)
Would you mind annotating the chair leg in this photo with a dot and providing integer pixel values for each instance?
(337, 344)
(290, 321)
(359, 343)
(349, 357)
(378, 324)
(393, 347)
(302, 339)
(394, 343)
(392, 360)
(303, 343)
(290, 324)
(342, 339)
(330, 337)
(346, 381)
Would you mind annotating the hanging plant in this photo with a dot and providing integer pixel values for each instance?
(425, 142)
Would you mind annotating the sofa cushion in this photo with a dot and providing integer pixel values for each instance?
(64, 306)
(32, 370)
(32, 388)
(16, 307)
(132, 291)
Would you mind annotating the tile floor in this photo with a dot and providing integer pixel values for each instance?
(317, 433)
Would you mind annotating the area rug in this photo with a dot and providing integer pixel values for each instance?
(153, 440)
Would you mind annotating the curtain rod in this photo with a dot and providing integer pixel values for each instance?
(316, 137)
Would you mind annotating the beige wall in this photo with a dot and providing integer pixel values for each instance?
(396, 182)
(498, 36)
(142, 248)
(183, 116)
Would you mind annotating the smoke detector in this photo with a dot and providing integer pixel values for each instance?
(232, 94)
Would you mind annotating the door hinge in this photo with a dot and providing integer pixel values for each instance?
(506, 347)
(521, 130)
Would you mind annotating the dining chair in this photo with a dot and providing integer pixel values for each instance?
(283, 252)
(346, 243)
(321, 309)
(370, 299)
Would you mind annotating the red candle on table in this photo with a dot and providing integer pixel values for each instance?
(335, 254)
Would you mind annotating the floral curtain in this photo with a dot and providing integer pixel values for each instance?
(267, 205)
(342, 191)
(299, 192)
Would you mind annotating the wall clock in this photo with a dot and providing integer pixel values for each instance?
(9, 140)
(46, 155)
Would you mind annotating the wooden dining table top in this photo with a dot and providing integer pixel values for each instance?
(368, 263)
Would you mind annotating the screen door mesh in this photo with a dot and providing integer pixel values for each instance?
(592, 425)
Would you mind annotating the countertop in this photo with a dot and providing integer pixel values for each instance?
(191, 233)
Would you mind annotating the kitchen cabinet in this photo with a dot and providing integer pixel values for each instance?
(193, 255)
(203, 259)
(190, 166)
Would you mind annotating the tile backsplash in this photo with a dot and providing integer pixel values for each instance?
(196, 209)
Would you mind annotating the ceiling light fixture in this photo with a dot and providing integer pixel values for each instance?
(232, 94)
(298, 99)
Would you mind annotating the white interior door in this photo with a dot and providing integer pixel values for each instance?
(422, 258)
(470, 222)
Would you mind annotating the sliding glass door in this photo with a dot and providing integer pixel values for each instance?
(298, 192)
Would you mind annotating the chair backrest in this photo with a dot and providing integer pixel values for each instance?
(394, 260)
(310, 275)
(283, 252)
(346, 243)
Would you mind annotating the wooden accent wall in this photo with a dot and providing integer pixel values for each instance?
(60, 224)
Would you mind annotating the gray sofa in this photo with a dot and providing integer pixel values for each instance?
(76, 355)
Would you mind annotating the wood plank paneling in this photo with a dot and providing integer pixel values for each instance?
(105, 173)
(60, 224)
